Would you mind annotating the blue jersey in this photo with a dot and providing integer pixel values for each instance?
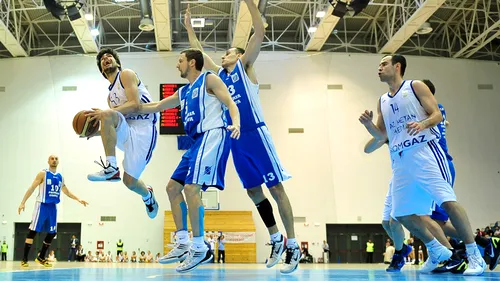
(442, 129)
(200, 110)
(50, 189)
(246, 96)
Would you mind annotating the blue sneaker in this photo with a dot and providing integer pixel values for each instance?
(398, 260)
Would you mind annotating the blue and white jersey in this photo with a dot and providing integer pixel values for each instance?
(246, 96)
(50, 189)
(118, 97)
(442, 130)
(200, 110)
(398, 111)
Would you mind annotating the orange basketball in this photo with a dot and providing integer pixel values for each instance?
(82, 126)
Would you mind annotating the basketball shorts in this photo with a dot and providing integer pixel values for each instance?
(386, 214)
(137, 140)
(44, 218)
(439, 213)
(205, 162)
(256, 160)
(421, 175)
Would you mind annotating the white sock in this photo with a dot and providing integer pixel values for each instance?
(199, 242)
(111, 160)
(291, 243)
(276, 237)
(182, 236)
(471, 248)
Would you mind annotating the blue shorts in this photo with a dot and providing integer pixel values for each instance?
(256, 160)
(44, 218)
(205, 162)
(439, 213)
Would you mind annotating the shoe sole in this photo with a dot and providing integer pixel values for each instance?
(288, 272)
(194, 267)
(170, 261)
(106, 180)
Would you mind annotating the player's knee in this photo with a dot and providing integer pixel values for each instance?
(191, 190)
(256, 194)
(173, 189)
(31, 236)
(49, 238)
(277, 191)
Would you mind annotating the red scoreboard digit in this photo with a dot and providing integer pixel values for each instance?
(170, 119)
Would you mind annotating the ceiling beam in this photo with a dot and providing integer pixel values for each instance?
(420, 16)
(323, 31)
(243, 26)
(82, 32)
(10, 42)
(486, 32)
(163, 30)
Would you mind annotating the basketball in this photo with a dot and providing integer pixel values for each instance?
(82, 127)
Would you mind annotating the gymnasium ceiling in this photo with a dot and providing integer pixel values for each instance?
(460, 28)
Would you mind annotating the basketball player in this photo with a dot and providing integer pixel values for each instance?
(204, 164)
(409, 113)
(123, 127)
(50, 184)
(254, 155)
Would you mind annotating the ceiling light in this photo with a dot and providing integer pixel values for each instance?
(146, 24)
(198, 22)
(320, 14)
(312, 29)
(94, 32)
(89, 16)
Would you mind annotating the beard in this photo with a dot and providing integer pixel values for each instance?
(110, 70)
(183, 74)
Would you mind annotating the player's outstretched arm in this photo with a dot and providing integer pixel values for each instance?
(254, 44)
(130, 83)
(208, 62)
(219, 89)
(152, 107)
(72, 196)
(38, 180)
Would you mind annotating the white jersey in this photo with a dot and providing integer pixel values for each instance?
(400, 109)
(118, 97)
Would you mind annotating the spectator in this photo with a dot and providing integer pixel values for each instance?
(389, 252)
(119, 247)
(497, 231)
(133, 258)
(157, 259)
(5, 247)
(149, 257)
(370, 247)
(125, 257)
(326, 252)
(72, 248)
(142, 258)
(221, 257)
(52, 257)
(89, 257)
(80, 254)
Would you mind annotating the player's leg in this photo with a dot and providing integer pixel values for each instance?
(114, 129)
(37, 220)
(50, 226)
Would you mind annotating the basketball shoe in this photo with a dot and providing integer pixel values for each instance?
(398, 259)
(178, 253)
(195, 258)
(151, 204)
(277, 250)
(108, 173)
(436, 255)
(291, 259)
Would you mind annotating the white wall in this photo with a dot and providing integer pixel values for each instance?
(333, 181)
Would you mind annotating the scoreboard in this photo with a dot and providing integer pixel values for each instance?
(170, 119)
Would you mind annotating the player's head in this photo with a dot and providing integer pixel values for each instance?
(430, 85)
(53, 161)
(108, 62)
(391, 66)
(231, 56)
(190, 60)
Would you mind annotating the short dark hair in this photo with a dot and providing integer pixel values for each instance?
(110, 51)
(430, 85)
(239, 50)
(397, 58)
(194, 54)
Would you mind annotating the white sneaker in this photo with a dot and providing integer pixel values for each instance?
(291, 260)
(194, 259)
(277, 249)
(435, 257)
(178, 253)
(108, 173)
(151, 204)
(477, 265)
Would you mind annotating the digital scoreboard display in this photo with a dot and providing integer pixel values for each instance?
(170, 119)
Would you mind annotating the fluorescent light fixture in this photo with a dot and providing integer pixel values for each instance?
(209, 22)
(89, 16)
(320, 14)
(312, 29)
(94, 32)
(198, 22)
(121, 1)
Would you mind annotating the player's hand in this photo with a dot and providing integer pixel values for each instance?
(235, 131)
(366, 117)
(187, 17)
(21, 208)
(95, 114)
(414, 128)
(83, 202)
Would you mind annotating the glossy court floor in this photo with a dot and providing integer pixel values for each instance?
(10, 271)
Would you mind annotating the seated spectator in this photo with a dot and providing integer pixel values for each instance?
(52, 257)
(101, 257)
(119, 258)
(142, 258)
(389, 252)
(125, 257)
(149, 257)
(80, 254)
(306, 257)
(89, 257)
(497, 231)
(109, 257)
(133, 258)
(157, 259)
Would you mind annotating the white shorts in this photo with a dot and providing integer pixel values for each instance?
(137, 140)
(421, 175)
(386, 214)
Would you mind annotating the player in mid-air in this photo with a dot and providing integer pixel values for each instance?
(254, 154)
(50, 183)
(123, 127)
